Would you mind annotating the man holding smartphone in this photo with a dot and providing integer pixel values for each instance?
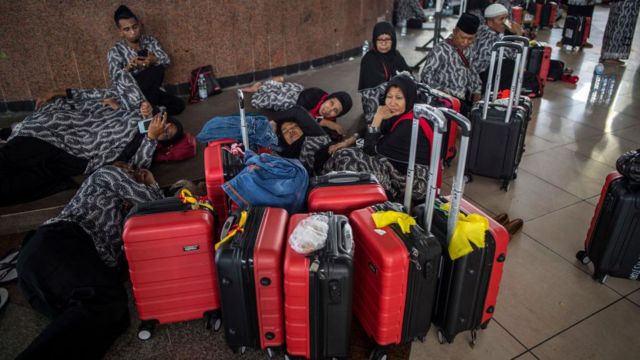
(144, 58)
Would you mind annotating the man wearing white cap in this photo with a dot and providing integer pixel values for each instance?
(495, 28)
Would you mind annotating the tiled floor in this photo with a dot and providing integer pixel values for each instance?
(549, 307)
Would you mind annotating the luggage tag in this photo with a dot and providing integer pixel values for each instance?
(196, 202)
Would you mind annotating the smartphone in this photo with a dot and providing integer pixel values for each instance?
(143, 125)
(143, 52)
(507, 23)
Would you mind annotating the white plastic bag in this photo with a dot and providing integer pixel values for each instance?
(310, 234)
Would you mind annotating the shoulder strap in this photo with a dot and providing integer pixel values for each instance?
(427, 130)
(460, 53)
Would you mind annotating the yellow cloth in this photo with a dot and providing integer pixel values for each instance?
(188, 198)
(386, 218)
(234, 230)
(470, 229)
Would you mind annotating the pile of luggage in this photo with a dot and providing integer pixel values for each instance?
(291, 281)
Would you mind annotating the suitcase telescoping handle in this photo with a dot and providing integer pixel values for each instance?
(243, 121)
(497, 53)
(523, 63)
(343, 177)
(438, 121)
(458, 181)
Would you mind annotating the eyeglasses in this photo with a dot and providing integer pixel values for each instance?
(384, 40)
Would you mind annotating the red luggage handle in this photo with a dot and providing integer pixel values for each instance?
(436, 117)
(457, 188)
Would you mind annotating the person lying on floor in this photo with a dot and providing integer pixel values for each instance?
(144, 58)
(278, 95)
(59, 141)
(448, 66)
(301, 137)
(386, 144)
(68, 269)
(383, 61)
(488, 34)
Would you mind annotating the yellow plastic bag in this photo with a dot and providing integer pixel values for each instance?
(470, 229)
(386, 218)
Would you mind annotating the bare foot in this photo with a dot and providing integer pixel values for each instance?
(253, 88)
(278, 78)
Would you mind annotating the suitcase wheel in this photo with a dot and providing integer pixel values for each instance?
(441, 337)
(506, 184)
(378, 354)
(145, 330)
(270, 353)
(468, 178)
(474, 338)
(582, 257)
(212, 320)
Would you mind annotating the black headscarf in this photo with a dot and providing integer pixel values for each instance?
(304, 120)
(374, 63)
(345, 100)
(179, 132)
(409, 90)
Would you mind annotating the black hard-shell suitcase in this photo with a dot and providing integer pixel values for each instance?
(572, 32)
(249, 267)
(497, 139)
(318, 291)
(613, 241)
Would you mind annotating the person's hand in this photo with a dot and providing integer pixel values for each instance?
(146, 110)
(157, 126)
(144, 176)
(476, 97)
(113, 103)
(384, 112)
(516, 28)
(151, 59)
(335, 147)
(41, 100)
(333, 126)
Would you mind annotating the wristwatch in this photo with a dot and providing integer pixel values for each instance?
(373, 130)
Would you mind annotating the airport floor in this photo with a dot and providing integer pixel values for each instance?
(548, 308)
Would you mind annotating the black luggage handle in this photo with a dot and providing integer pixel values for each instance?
(497, 52)
(439, 122)
(457, 187)
(342, 177)
(523, 62)
(243, 120)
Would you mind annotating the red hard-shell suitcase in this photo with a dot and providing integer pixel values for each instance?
(249, 266)
(516, 14)
(613, 240)
(343, 192)
(468, 287)
(586, 30)
(396, 273)
(171, 265)
(318, 294)
(221, 165)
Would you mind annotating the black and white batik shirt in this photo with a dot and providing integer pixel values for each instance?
(120, 55)
(444, 70)
(101, 205)
(82, 126)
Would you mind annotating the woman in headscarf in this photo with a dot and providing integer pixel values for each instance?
(386, 144)
(383, 61)
(278, 95)
(301, 137)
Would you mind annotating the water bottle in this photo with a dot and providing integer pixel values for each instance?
(202, 87)
(597, 80)
(365, 47)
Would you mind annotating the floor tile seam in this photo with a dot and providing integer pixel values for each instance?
(575, 324)
(576, 195)
(519, 355)
(601, 162)
(495, 319)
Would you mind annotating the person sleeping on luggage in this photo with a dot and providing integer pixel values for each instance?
(73, 134)
(301, 137)
(68, 269)
(495, 28)
(386, 144)
(448, 66)
(278, 95)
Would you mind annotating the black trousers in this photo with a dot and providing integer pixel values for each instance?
(150, 80)
(31, 169)
(62, 276)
